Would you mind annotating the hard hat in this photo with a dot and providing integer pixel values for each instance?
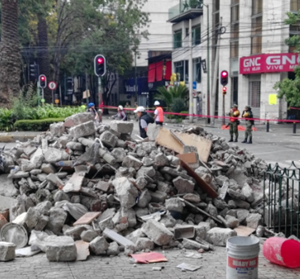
(246, 114)
(235, 106)
(236, 113)
(247, 107)
(91, 105)
(139, 109)
(157, 103)
(120, 107)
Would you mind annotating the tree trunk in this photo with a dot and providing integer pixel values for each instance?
(43, 56)
(10, 55)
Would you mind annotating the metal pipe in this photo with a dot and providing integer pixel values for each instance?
(294, 127)
(191, 71)
(268, 126)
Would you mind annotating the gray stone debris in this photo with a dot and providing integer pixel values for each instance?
(140, 189)
(7, 251)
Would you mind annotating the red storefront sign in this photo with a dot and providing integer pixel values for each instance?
(269, 63)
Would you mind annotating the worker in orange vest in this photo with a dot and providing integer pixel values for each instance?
(158, 114)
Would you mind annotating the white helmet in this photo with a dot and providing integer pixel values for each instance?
(140, 109)
(120, 107)
(157, 103)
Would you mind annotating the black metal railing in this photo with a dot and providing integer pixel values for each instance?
(281, 199)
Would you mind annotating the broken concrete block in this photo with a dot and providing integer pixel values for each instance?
(61, 249)
(158, 196)
(53, 178)
(107, 157)
(74, 184)
(168, 220)
(48, 168)
(77, 145)
(109, 139)
(147, 162)
(157, 232)
(242, 204)
(144, 199)
(60, 196)
(193, 198)
(183, 186)
(122, 127)
(144, 243)
(191, 244)
(247, 192)
(57, 220)
(253, 220)
(83, 251)
(232, 222)
(88, 235)
(242, 214)
(57, 129)
(161, 160)
(219, 236)
(75, 232)
(103, 186)
(113, 249)
(78, 118)
(35, 220)
(119, 154)
(141, 183)
(53, 155)
(174, 204)
(7, 251)
(99, 246)
(143, 171)
(126, 192)
(132, 162)
(82, 130)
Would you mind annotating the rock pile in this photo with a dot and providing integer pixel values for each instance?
(145, 196)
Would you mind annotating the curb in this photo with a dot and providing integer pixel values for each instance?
(11, 138)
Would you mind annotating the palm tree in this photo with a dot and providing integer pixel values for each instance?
(10, 55)
(171, 94)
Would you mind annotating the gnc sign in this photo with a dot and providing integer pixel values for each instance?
(269, 63)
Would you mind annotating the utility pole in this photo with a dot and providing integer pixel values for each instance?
(86, 87)
(191, 71)
(135, 76)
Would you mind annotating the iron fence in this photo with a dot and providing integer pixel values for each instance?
(281, 202)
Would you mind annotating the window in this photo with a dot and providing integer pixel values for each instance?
(216, 5)
(235, 86)
(254, 94)
(235, 13)
(186, 71)
(256, 26)
(177, 39)
(179, 70)
(295, 5)
(196, 35)
(234, 49)
(197, 70)
(256, 45)
(235, 2)
(257, 7)
(235, 31)
(256, 34)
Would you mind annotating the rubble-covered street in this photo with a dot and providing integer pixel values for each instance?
(94, 196)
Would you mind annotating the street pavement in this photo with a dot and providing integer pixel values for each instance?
(279, 145)
(213, 266)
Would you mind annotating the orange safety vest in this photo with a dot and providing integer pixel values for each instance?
(160, 116)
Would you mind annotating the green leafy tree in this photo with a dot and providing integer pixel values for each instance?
(290, 89)
(171, 95)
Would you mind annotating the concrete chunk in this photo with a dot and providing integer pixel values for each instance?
(99, 246)
(57, 129)
(78, 118)
(53, 155)
(61, 249)
(122, 127)
(109, 139)
(219, 236)
(183, 186)
(132, 162)
(157, 232)
(7, 251)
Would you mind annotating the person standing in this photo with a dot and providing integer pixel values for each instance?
(144, 120)
(158, 114)
(234, 122)
(91, 108)
(247, 113)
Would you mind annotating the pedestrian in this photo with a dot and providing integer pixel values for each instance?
(144, 120)
(127, 105)
(234, 123)
(91, 108)
(158, 114)
(121, 115)
(247, 113)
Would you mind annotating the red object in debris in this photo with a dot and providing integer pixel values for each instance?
(282, 251)
(149, 258)
(240, 128)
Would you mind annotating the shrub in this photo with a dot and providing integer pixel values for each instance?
(6, 120)
(36, 125)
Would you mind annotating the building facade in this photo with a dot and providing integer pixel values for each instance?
(247, 39)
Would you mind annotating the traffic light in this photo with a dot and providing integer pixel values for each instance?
(224, 78)
(100, 65)
(224, 90)
(34, 70)
(70, 84)
(42, 81)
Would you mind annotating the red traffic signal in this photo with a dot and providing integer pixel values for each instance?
(224, 90)
(224, 78)
(42, 81)
(100, 65)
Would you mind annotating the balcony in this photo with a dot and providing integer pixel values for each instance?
(186, 9)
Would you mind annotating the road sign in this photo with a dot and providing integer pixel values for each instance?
(194, 84)
(52, 85)
(56, 101)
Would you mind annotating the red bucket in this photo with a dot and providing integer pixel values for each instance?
(282, 251)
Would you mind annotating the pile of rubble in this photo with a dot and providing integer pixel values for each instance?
(81, 187)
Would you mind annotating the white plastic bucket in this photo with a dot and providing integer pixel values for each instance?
(242, 262)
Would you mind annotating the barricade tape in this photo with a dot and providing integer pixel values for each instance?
(294, 108)
(212, 116)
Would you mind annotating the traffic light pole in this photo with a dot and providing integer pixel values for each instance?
(223, 120)
(100, 97)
